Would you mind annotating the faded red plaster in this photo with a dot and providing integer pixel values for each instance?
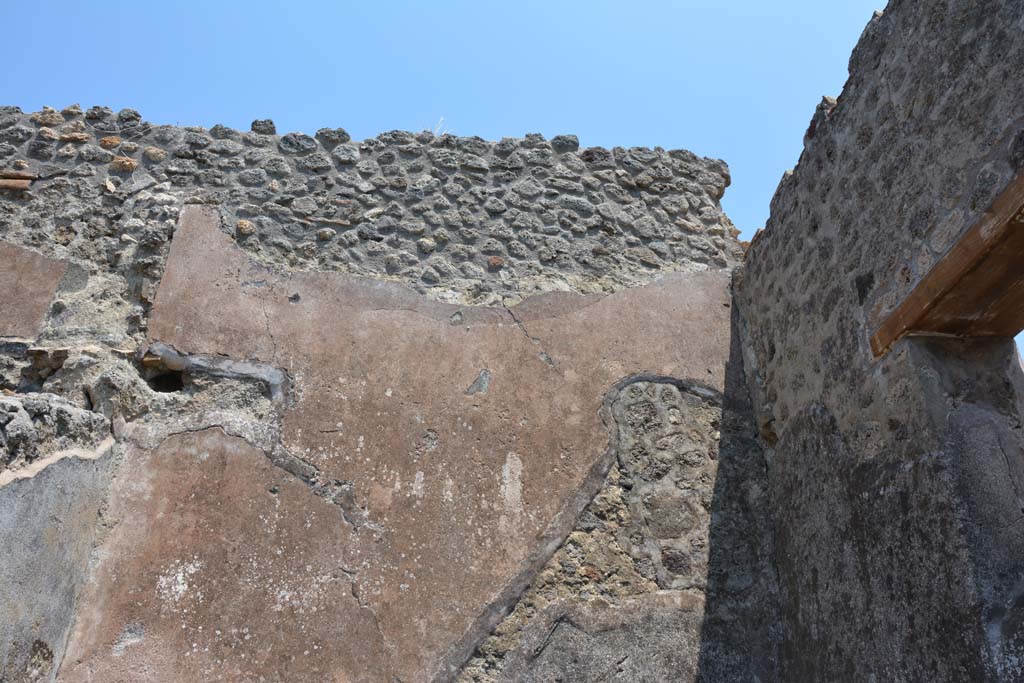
(465, 494)
(28, 281)
(220, 567)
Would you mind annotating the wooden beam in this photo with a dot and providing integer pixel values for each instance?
(977, 288)
(6, 184)
(18, 175)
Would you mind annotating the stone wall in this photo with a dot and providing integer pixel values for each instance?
(429, 408)
(459, 217)
(896, 482)
(420, 380)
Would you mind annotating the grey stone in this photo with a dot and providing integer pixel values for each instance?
(94, 154)
(367, 167)
(222, 132)
(577, 204)
(315, 162)
(597, 157)
(475, 163)
(297, 143)
(565, 143)
(329, 137)
(226, 147)
(263, 127)
(196, 140)
(277, 166)
(128, 118)
(15, 135)
(98, 113)
(345, 154)
(304, 205)
(535, 141)
(494, 205)
(528, 188)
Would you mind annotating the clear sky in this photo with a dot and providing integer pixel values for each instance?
(734, 79)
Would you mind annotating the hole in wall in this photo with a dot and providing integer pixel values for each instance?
(167, 381)
(161, 376)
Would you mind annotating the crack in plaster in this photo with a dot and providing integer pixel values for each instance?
(357, 596)
(544, 356)
(270, 333)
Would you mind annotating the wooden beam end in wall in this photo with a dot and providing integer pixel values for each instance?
(977, 288)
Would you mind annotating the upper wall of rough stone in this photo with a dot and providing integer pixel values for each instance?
(928, 130)
(459, 217)
(893, 480)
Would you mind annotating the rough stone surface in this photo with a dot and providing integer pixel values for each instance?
(643, 586)
(37, 424)
(651, 637)
(896, 482)
(899, 524)
(594, 220)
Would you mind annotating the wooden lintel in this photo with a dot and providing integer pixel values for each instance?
(977, 288)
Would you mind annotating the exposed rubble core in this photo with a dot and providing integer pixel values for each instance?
(37, 424)
(641, 550)
(460, 218)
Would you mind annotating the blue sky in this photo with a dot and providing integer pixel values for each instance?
(737, 80)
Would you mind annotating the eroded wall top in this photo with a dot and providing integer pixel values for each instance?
(461, 218)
